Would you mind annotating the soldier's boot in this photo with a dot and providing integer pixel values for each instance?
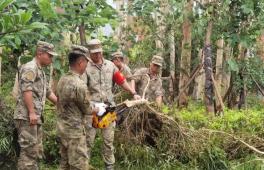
(109, 166)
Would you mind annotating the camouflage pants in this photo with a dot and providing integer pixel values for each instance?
(30, 142)
(73, 154)
(108, 139)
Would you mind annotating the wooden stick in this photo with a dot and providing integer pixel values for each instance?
(257, 85)
(249, 146)
(198, 68)
(217, 93)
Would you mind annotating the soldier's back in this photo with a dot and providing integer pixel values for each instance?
(70, 92)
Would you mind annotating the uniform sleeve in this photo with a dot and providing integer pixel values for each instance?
(83, 99)
(159, 89)
(115, 69)
(128, 73)
(27, 78)
(137, 76)
(84, 77)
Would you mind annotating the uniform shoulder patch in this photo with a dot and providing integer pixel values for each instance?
(28, 75)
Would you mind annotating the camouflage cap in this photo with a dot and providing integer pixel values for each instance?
(158, 60)
(117, 54)
(95, 46)
(77, 49)
(46, 47)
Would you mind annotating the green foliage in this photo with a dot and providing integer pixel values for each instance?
(251, 162)
(233, 121)
(23, 23)
(133, 156)
(50, 139)
(47, 9)
(213, 158)
(7, 147)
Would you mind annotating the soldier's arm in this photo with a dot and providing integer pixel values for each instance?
(28, 99)
(135, 78)
(159, 93)
(119, 79)
(133, 85)
(83, 99)
(50, 95)
(53, 98)
(127, 87)
(26, 85)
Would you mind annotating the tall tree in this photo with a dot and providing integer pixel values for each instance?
(185, 65)
(219, 66)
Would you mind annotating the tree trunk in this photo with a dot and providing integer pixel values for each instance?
(82, 34)
(242, 90)
(209, 91)
(172, 65)
(219, 66)
(198, 93)
(160, 21)
(119, 31)
(260, 46)
(185, 65)
(235, 96)
(226, 74)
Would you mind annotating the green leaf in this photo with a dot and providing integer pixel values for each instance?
(36, 25)
(17, 41)
(91, 9)
(233, 66)
(46, 9)
(25, 17)
(100, 21)
(5, 3)
(57, 64)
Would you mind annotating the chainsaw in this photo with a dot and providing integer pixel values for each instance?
(108, 114)
(111, 113)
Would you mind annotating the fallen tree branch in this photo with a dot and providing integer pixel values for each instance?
(243, 142)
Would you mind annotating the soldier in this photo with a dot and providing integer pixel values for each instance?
(118, 60)
(32, 93)
(100, 76)
(139, 81)
(73, 105)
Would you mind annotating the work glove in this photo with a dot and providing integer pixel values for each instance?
(101, 107)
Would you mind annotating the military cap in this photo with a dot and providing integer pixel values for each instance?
(77, 49)
(117, 54)
(95, 46)
(158, 60)
(46, 47)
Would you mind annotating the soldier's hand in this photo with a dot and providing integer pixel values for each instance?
(136, 97)
(33, 118)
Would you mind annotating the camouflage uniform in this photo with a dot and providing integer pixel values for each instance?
(31, 78)
(125, 70)
(127, 73)
(155, 85)
(99, 79)
(72, 106)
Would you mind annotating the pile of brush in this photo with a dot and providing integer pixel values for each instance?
(143, 125)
